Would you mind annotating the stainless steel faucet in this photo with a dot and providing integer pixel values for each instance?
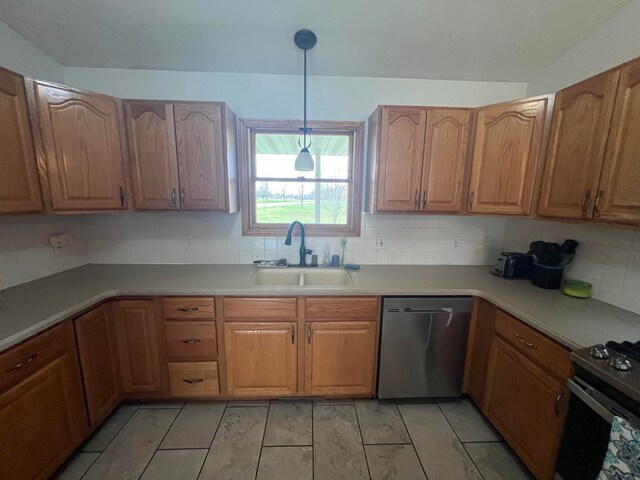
(304, 251)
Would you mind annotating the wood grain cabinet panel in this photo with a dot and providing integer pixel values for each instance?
(527, 406)
(137, 346)
(581, 120)
(19, 185)
(201, 161)
(188, 307)
(340, 358)
(191, 341)
(99, 361)
(618, 196)
(194, 379)
(334, 308)
(401, 150)
(481, 333)
(83, 148)
(42, 418)
(261, 359)
(262, 308)
(506, 155)
(152, 152)
(445, 155)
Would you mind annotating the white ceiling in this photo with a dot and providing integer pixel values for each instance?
(506, 40)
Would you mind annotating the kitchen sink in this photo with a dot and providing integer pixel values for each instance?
(301, 277)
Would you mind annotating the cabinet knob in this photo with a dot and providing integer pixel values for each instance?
(187, 309)
(556, 404)
(471, 195)
(122, 198)
(425, 199)
(29, 359)
(173, 196)
(416, 202)
(528, 344)
(192, 381)
(191, 341)
(583, 205)
(596, 205)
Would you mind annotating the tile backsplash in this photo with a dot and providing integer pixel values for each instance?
(607, 257)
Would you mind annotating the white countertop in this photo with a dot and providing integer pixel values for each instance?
(32, 307)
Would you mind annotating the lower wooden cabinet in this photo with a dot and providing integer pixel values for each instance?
(137, 337)
(42, 418)
(262, 359)
(527, 406)
(194, 379)
(98, 359)
(340, 358)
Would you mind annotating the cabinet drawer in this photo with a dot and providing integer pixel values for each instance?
(534, 345)
(194, 379)
(188, 307)
(191, 341)
(34, 354)
(362, 308)
(262, 308)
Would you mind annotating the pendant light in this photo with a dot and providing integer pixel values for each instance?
(305, 39)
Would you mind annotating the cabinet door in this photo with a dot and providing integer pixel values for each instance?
(618, 198)
(340, 358)
(506, 157)
(201, 162)
(445, 158)
(481, 332)
(137, 346)
(527, 406)
(401, 149)
(152, 150)
(581, 120)
(98, 358)
(261, 359)
(83, 148)
(42, 420)
(19, 185)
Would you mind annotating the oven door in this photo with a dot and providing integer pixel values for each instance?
(587, 430)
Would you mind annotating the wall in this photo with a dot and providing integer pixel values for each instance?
(615, 42)
(280, 96)
(160, 238)
(20, 55)
(25, 253)
(607, 257)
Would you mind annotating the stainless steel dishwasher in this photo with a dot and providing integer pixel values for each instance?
(423, 346)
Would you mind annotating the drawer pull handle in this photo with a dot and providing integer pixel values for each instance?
(30, 359)
(556, 405)
(191, 341)
(528, 344)
(308, 334)
(187, 309)
(193, 381)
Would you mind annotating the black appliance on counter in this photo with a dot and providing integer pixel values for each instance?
(606, 383)
(513, 265)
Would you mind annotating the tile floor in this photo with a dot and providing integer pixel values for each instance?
(295, 439)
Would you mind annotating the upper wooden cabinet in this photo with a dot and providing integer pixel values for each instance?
(183, 155)
(19, 185)
(99, 361)
(618, 196)
(417, 159)
(152, 150)
(82, 148)
(581, 120)
(506, 156)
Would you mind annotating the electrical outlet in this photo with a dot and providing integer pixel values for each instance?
(188, 242)
(381, 243)
(455, 244)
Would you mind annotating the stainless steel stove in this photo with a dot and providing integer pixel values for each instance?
(606, 384)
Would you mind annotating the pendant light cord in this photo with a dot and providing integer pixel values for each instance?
(305, 100)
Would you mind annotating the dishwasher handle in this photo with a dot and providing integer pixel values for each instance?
(448, 310)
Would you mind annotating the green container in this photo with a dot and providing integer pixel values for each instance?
(577, 288)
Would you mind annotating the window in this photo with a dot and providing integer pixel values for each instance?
(327, 200)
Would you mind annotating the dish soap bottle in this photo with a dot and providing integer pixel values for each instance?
(327, 256)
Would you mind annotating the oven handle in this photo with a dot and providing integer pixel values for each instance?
(599, 403)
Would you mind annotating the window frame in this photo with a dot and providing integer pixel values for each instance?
(248, 128)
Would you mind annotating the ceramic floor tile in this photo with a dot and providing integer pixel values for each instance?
(388, 462)
(235, 451)
(248, 403)
(337, 445)
(286, 463)
(289, 423)
(77, 466)
(380, 422)
(195, 426)
(496, 461)
(175, 465)
(129, 453)
(168, 404)
(333, 401)
(109, 429)
(441, 453)
(468, 423)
